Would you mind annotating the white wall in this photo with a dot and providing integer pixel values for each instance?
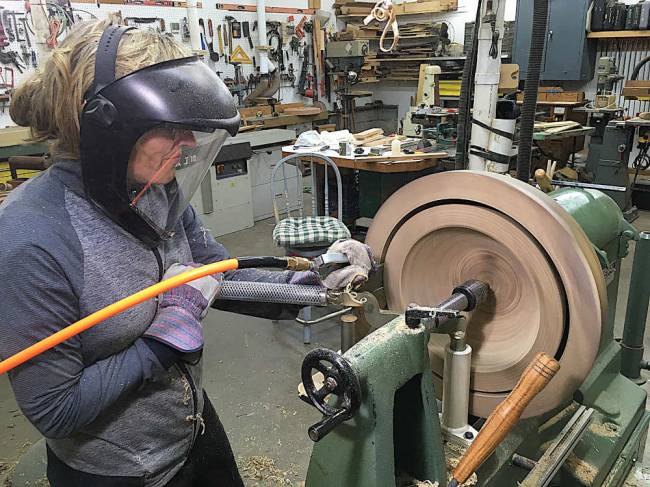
(400, 94)
(176, 14)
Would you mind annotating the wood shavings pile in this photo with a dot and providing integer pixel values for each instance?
(263, 468)
(405, 480)
(453, 454)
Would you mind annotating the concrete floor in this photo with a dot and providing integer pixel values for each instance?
(252, 368)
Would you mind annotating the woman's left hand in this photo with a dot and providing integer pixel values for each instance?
(356, 272)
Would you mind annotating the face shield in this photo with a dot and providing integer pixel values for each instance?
(149, 138)
(166, 167)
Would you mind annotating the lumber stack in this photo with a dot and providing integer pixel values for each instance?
(350, 8)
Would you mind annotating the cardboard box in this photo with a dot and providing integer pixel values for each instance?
(509, 77)
(636, 89)
(566, 96)
(540, 97)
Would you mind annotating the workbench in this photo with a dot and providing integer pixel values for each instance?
(265, 117)
(579, 132)
(370, 180)
(567, 106)
(13, 143)
(281, 120)
(557, 146)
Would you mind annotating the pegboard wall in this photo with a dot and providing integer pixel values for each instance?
(170, 15)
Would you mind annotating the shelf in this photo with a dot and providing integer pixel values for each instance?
(423, 58)
(618, 34)
(142, 3)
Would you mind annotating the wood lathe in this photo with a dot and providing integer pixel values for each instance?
(496, 301)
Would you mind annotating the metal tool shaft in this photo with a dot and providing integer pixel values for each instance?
(602, 187)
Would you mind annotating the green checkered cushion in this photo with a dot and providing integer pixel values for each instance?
(309, 230)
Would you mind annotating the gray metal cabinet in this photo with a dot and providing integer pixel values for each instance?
(569, 55)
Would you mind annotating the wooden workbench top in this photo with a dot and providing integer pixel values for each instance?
(567, 104)
(380, 164)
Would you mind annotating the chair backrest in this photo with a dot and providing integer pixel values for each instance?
(298, 159)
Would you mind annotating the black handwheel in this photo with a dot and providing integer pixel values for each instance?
(339, 379)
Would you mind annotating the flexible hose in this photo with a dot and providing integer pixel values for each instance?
(258, 262)
(535, 56)
(113, 309)
(464, 113)
(637, 68)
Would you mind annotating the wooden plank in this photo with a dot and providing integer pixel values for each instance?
(290, 10)
(420, 92)
(568, 96)
(637, 83)
(247, 128)
(283, 106)
(636, 92)
(548, 135)
(284, 120)
(303, 111)
(255, 112)
(565, 104)
(407, 8)
(266, 110)
(416, 164)
(618, 34)
(237, 7)
(402, 158)
(349, 10)
(143, 3)
(431, 6)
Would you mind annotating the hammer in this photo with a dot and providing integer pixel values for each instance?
(230, 19)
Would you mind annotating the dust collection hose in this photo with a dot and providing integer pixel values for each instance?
(535, 56)
(464, 103)
(135, 299)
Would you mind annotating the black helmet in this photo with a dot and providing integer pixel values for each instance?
(180, 105)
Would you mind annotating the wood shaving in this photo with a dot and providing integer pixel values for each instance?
(581, 470)
(264, 468)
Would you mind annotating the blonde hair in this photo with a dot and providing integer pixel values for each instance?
(50, 101)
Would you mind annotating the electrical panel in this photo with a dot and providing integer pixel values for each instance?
(569, 55)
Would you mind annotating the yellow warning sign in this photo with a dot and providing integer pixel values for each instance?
(239, 56)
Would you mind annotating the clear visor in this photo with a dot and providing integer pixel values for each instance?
(166, 167)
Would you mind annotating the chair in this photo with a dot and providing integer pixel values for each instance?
(307, 236)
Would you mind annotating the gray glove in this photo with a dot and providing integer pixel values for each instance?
(356, 273)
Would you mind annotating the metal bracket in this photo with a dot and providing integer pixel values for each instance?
(347, 298)
(415, 314)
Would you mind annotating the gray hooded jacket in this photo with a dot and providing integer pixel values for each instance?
(102, 399)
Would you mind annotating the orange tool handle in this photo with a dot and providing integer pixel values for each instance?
(538, 373)
(113, 309)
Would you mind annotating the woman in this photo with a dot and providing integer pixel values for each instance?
(134, 126)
